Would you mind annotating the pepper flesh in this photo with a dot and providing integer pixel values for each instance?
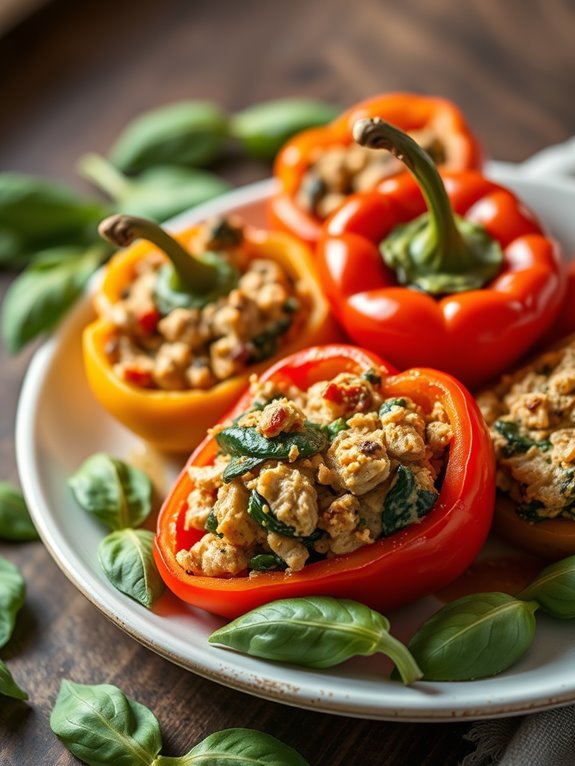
(178, 420)
(391, 571)
(473, 335)
(407, 111)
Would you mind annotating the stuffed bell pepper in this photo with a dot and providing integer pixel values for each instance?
(319, 168)
(531, 414)
(450, 271)
(332, 475)
(184, 322)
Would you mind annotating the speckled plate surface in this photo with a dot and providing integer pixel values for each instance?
(59, 424)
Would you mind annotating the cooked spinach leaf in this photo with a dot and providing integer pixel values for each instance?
(248, 442)
(405, 502)
(517, 443)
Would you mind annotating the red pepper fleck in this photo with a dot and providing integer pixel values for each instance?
(277, 419)
(138, 377)
(148, 321)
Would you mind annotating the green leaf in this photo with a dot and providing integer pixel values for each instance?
(518, 443)
(12, 594)
(101, 726)
(158, 193)
(264, 128)
(238, 747)
(41, 295)
(15, 521)
(37, 214)
(9, 687)
(260, 511)
(238, 466)
(316, 632)
(476, 636)
(114, 491)
(184, 133)
(128, 563)
(248, 442)
(554, 589)
(406, 502)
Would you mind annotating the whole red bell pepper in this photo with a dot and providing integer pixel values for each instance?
(436, 118)
(389, 572)
(467, 294)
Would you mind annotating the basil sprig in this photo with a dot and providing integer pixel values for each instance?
(249, 442)
(316, 632)
(100, 725)
(127, 561)
(15, 521)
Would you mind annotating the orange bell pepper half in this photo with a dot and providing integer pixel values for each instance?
(178, 420)
(392, 571)
(407, 111)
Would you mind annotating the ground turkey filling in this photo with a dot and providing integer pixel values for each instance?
(197, 348)
(531, 415)
(340, 170)
(306, 475)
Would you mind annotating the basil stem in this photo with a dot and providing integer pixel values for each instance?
(317, 632)
(248, 442)
(406, 502)
(12, 594)
(15, 521)
(118, 494)
(8, 686)
(476, 636)
(554, 589)
(128, 562)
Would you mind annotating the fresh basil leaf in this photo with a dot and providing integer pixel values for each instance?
(316, 632)
(238, 466)
(128, 563)
(263, 129)
(36, 213)
(101, 726)
(158, 193)
(8, 686)
(406, 502)
(248, 442)
(184, 133)
(41, 295)
(15, 521)
(12, 594)
(517, 443)
(554, 589)
(476, 636)
(114, 491)
(238, 747)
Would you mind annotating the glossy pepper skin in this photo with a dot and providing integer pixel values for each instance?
(473, 335)
(392, 571)
(178, 420)
(407, 111)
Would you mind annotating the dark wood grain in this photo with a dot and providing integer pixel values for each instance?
(70, 78)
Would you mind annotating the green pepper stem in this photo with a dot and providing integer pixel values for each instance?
(438, 252)
(104, 175)
(121, 230)
(402, 658)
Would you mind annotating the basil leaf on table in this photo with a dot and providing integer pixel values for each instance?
(182, 133)
(238, 747)
(15, 521)
(248, 442)
(474, 637)
(12, 594)
(554, 589)
(115, 492)
(128, 563)
(41, 295)
(101, 726)
(263, 129)
(158, 193)
(316, 632)
(8, 686)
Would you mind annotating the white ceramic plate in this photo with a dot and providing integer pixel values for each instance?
(59, 424)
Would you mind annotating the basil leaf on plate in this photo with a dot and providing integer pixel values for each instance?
(101, 726)
(127, 560)
(8, 686)
(12, 594)
(554, 589)
(476, 636)
(15, 521)
(316, 632)
(117, 493)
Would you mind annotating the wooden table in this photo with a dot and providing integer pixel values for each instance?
(70, 79)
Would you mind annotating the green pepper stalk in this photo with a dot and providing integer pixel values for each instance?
(187, 281)
(438, 252)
